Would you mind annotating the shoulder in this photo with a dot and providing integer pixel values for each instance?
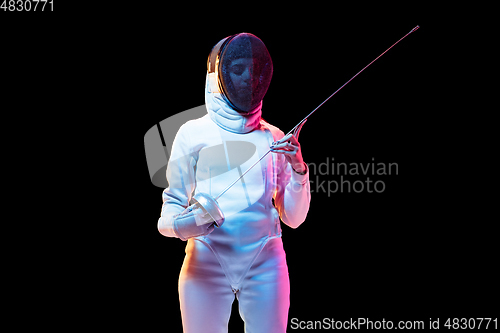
(194, 126)
(189, 133)
(197, 123)
(199, 133)
(275, 131)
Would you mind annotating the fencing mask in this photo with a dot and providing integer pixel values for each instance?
(240, 68)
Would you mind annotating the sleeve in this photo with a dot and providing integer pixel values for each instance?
(292, 196)
(181, 182)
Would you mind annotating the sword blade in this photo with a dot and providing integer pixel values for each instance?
(336, 91)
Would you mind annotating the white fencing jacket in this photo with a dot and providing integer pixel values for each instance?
(208, 154)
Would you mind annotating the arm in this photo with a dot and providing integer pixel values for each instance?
(181, 181)
(293, 196)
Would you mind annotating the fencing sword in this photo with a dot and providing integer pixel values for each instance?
(303, 120)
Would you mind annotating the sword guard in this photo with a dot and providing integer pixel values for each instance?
(210, 206)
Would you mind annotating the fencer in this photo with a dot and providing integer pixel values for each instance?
(234, 249)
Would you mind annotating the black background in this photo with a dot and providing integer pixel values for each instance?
(411, 252)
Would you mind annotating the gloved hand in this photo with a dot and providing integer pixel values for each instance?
(291, 150)
(193, 222)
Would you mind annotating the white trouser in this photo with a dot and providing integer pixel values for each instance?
(206, 295)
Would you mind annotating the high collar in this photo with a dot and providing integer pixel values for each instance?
(229, 119)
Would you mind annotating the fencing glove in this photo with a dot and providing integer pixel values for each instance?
(198, 219)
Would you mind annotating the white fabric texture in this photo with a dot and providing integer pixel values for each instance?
(193, 222)
(245, 256)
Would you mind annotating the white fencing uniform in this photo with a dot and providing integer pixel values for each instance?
(245, 256)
